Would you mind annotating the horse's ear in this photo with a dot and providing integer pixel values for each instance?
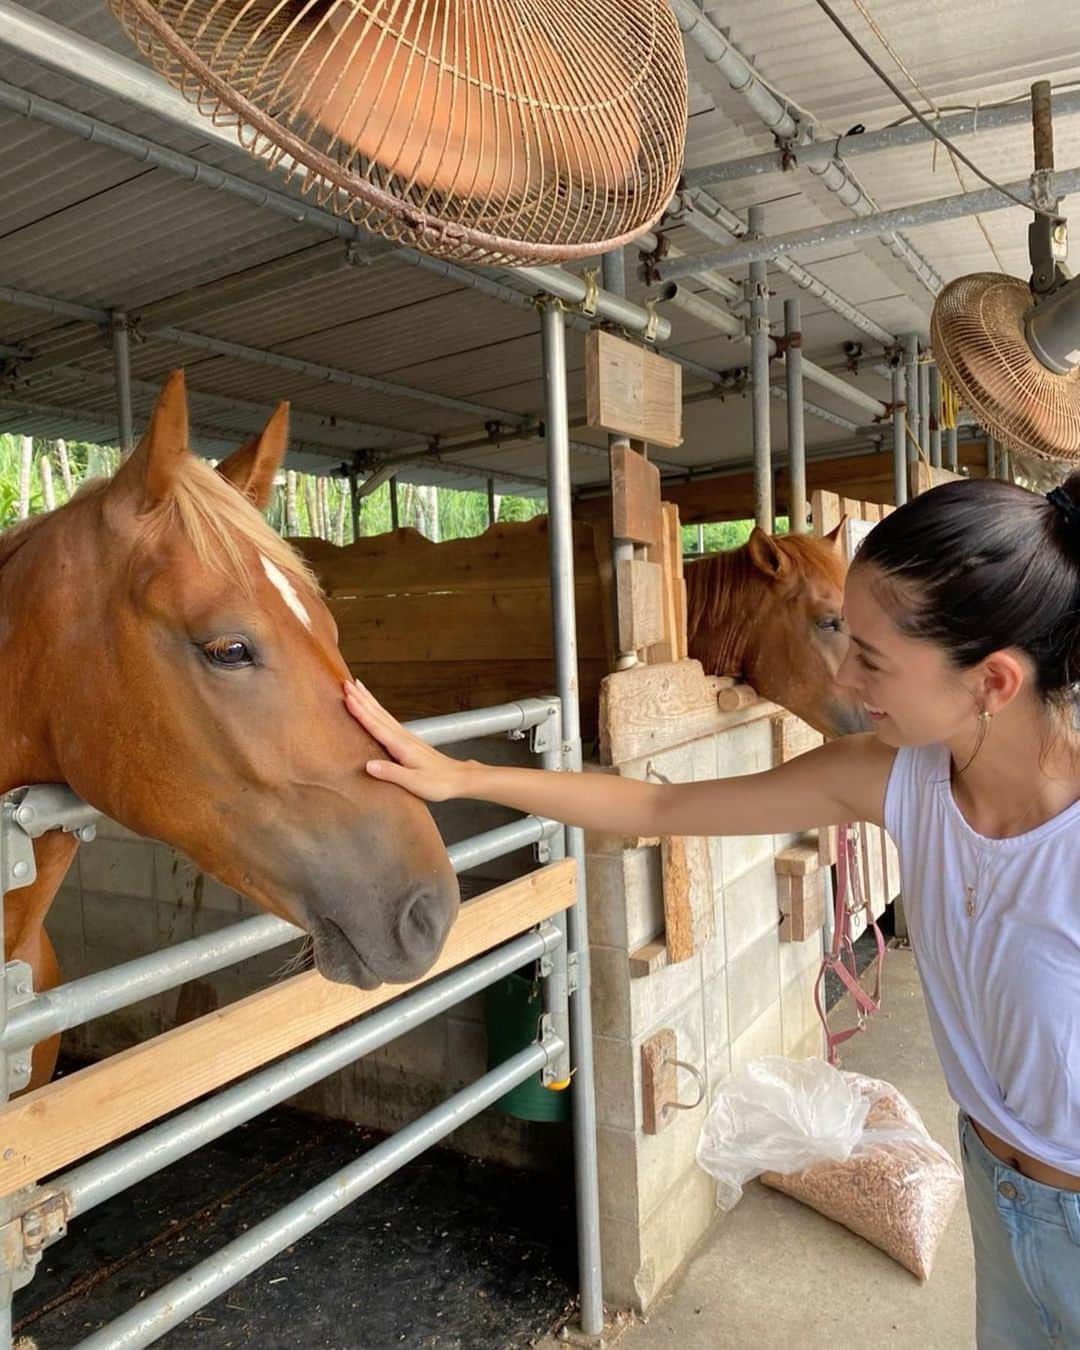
(147, 476)
(253, 467)
(766, 554)
(836, 537)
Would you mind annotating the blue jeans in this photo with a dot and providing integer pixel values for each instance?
(1027, 1254)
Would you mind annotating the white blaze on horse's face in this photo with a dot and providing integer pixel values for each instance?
(286, 590)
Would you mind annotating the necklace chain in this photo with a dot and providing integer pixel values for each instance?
(973, 892)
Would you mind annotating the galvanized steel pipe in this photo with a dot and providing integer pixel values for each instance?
(952, 125)
(796, 425)
(761, 347)
(900, 459)
(564, 626)
(878, 223)
(911, 384)
(924, 406)
(935, 415)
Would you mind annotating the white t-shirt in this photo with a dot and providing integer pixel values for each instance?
(1003, 986)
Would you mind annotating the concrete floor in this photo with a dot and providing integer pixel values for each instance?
(774, 1275)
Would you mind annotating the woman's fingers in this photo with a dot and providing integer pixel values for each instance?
(386, 729)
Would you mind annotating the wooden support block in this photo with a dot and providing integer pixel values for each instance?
(828, 845)
(649, 959)
(802, 904)
(688, 896)
(641, 603)
(650, 708)
(793, 737)
(66, 1120)
(735, 698)
(632, 391)
(798, 860)
(636, 509)
(659, 1081)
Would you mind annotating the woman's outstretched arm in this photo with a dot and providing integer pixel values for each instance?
(843, 780)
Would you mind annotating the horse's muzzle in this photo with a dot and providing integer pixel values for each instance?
(367, 959)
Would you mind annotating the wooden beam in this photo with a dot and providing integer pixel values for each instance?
(688, 896)
(70, 1118)
(866, 477)
(635, 497)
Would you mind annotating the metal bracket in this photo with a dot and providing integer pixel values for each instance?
(573, 983)
(42, 1221)
(17, 865)
(542, 852)
(18, 984)
(544, 737)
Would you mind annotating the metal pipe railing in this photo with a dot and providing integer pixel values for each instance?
(899, 416)
(109, 1173)
(974, 121)
(796, 422)
(172, 1304)
(70, 1005)
(761, 348)
(878, 223)
(564, 630)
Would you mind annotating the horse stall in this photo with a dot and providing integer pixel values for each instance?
(648, 968)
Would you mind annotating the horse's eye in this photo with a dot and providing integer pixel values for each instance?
(228, 651)
(829, 624)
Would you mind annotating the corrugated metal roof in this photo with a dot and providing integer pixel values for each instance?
(84, 223)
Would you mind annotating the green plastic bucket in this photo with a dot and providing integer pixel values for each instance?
(513, 1008)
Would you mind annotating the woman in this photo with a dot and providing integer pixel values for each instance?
(963, 613)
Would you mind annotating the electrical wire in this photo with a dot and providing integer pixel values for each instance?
(899, 93)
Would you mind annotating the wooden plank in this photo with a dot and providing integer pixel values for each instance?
(851, 507)
(636, 512)
(650, 708)
(659, 1080)
(472, 625)
(793, 737)
(71, 1117)
(510, 556)
(412, 689)
(825, 511)
(632, 391)
(669, 555)
(641, 603)
(688, 896)
(649, 959)
(923, 477)
(866, 478)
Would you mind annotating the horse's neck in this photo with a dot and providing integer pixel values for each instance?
(25, 755)
(718, 591)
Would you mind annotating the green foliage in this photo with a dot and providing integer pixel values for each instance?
(720, 536)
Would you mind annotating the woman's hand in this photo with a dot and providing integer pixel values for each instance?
(423, 771)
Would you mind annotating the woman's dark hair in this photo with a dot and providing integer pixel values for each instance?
(981, 566)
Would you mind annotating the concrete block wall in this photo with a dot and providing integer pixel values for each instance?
(745, 994)
(125, 896)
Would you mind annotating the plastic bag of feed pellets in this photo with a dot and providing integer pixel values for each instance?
(851, 1147)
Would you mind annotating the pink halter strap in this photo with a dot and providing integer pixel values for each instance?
(841, 956)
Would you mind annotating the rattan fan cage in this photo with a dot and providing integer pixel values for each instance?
(978, 335)
(497, 131)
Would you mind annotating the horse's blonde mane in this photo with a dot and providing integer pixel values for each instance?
(211, 514)
(215, 519)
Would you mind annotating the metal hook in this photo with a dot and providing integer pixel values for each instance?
(698, 1078)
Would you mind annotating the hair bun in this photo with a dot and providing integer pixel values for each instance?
(1064, 502)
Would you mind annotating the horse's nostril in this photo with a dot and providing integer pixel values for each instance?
(423, 924)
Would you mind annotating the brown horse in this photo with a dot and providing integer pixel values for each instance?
(769, 613)
(169, 657)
